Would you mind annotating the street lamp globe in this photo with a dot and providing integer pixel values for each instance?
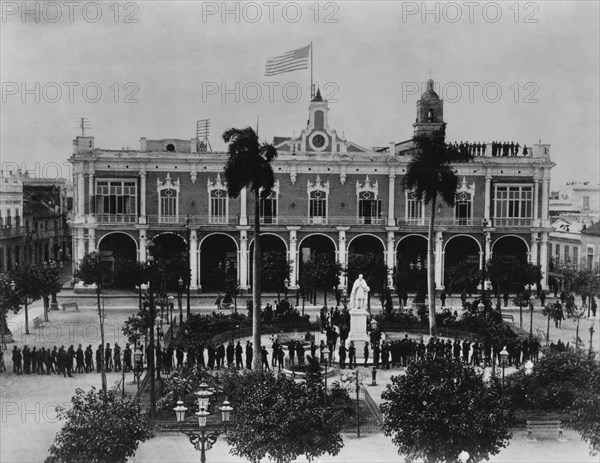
(326, 353)
(528, 367)
(503, 356)
(204, 395)
(373, 324)
(137, 356)
(202, 416)
(180, 282)
(180, 411)
(13, 285)
(226, 410)
(480, 306)
(463, 456)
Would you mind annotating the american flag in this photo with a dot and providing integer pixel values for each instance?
(290, 61)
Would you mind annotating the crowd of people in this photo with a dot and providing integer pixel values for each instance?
(497, 149)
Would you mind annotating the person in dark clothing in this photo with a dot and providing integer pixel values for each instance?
(220, 356)
(99, 358)
(264, 355)
(239, 351)
(79, 360)
(280, 357)
(542, 297)
(300, 353)
(211, 356)
(376, 352)
(443, 299)
(385, 356)
(117, 357)
(342, 355)
(179, 357)
(456, 349)
(17, 359)
(313, 349)
(466, 349)
(127, 358)
(26, 360)
(33, 360)
(291, 351)
(505, 297)
(366, 353)
(108, 357)
(351, 355)
(463, 298)
(230, 354)
(249, 355)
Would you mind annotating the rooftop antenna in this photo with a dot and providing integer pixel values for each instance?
(83, 125)
(202, 131)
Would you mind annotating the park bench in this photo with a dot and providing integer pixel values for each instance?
(508, 317)
(548, 426)
(37, 322)
(70, 305)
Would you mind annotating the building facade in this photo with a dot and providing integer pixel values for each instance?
(33, 220)
(331, 195)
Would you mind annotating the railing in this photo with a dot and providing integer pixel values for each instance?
(512, 222)
(116, 218)
(7, 231)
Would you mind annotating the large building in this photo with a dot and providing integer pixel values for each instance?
(33, 225)
(331, 195)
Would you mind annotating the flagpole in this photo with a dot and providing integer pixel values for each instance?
(312, 88)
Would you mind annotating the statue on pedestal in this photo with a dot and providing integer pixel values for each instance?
(359, 294)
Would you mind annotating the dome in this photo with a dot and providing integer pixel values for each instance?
(429, 94)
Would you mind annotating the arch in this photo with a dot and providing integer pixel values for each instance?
(218, 256)
(273, 249)
(463, 235)
(412, 249)
(509, 236)
(218, 233)
(317, 234)
(119, 251)
(465, 251)
(117, 233)
(364, 235)
(170, 251)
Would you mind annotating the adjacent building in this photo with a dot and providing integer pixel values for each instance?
(331, 195)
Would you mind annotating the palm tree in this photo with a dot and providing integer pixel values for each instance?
(430, 174)
(249, 166)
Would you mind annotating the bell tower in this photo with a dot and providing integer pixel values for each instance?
(430, 112)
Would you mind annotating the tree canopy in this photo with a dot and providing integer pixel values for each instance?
(281, 419)
(440, 408)
(99, 428)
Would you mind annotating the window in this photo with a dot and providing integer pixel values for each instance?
(414, 208)
(557, 254)
(513, 205)
(116, 200)
(590, 257)
(369, 208)
(463, 209)
(268, 208)
(586, 203)
(218, 206)
(318, 207)
(8, 219)
(576, 256)
(168, 206)
(567, 257)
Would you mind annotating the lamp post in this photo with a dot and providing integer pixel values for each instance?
(188, 282)
(13, 285)
(170, 309)
(138, 365)
(150, 353)
(179, 299)
(591, 338)
(484, 225)
(503, 358)
(204, 440)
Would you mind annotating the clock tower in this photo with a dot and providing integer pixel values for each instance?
(430, 112)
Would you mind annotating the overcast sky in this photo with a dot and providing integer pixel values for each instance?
(507, 71)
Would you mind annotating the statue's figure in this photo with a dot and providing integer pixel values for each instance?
(359, 294)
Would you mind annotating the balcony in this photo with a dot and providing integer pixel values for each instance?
(511, 222)
(116, 218)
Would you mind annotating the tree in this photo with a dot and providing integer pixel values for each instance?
(99, 428)
(326, 272)
(92, 271)
(28, 286)
(501, 270)
(232, 286)
(249, 166)
(50, 281)
(430, 173)
(374, 271)
(9, 301)
(463, 276)
(280, 419)
(584, 413)
(440, 408)
(275, 270)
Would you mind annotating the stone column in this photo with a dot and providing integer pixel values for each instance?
(80, 195)
(80, 243)
(533, 249)
(91, 192)
(243, 259)
(391, 196)
(544, 259)
(143, 253)
(536, 198)
(243, 204)
(487, 199)
(545, 203)
(390, 257)
(439, 261)
(91, 239)
(193, 244)
(293, 257)
(342, 255)
(142, 218)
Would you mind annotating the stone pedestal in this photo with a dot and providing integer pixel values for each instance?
(358, 327)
